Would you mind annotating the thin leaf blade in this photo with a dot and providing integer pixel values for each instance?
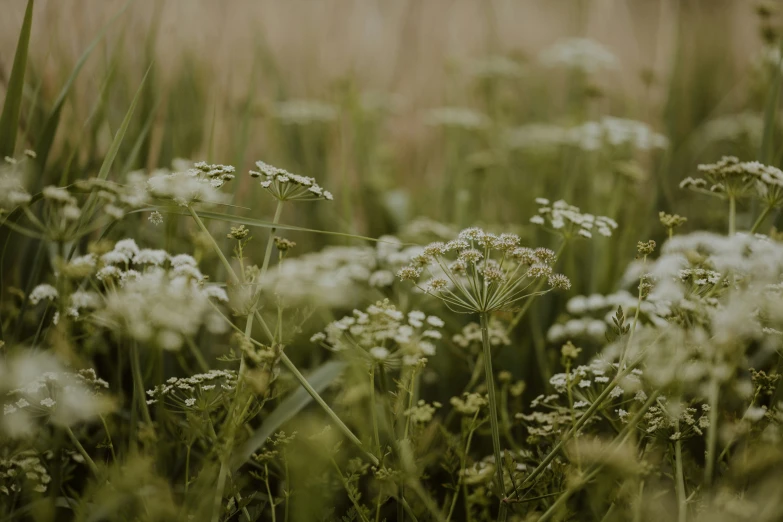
(9, 120)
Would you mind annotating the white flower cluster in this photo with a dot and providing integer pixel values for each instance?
(204, 392)
(338, 276)
(198, 184)
(590, 315)
(457, 117)
(117, 199)
(464, 274)
(470, 336)
(589, 136)
(21, 471)
(732, 128)
(734, 178)
(158, 297)
(383, 334)
(305, 112)
(495, 66)
(568, 221)
(61, 397)
(335, 276)
(12, 190)
(583, 54)
(285, 186)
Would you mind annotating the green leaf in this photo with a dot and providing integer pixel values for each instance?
(9, 120)
(103, 173)
(319, 380)
(45, 140)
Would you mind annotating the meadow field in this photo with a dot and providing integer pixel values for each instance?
(343, 260)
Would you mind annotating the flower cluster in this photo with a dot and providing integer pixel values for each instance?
(457, 117)
(583, 54)
(730, 177)
(198, 184)
(156, 297)
(61, 397)
(470, 336)
(383, 334)
(205, 392)
(12, 189)
(588, 136)
(482, 272)
(569, 222)
(21, 471)
(304, 112)
(285, 186)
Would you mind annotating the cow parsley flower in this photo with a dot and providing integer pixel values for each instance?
(381, 333)
(480, 272)
(285, 186)
(569, 221)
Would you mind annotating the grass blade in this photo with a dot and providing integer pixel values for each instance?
(253, 222)
(45, 140)
(9, 120)
(292, 405)
(770, 114)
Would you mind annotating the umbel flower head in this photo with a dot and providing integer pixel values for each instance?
(194, 185)
(730, 177)
(285, 186)
(482, 272)
(568, 221)
(382, 334)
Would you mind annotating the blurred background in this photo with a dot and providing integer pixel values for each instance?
(460, 112)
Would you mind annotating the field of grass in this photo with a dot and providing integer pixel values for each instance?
(403, 261)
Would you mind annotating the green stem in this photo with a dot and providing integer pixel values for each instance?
(493, 414)
(596, 469)
(597, 403)
(373, 413)
(317, 398)
(271, 240)
(215, 246)
(682, 509)
(712, 431)
(87, 458)
(463, 462)
(187, 469)
(138, 383)
(761, 219)
(108, 436)
(269, 492)
(732, 215)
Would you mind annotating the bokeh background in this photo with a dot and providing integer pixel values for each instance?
(460, 112)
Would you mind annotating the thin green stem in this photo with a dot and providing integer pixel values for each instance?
(138, 384)
(373, 412)
(732, 215)
(108, 436)
(682, 508)
(317, 398)
(87, 458)
(215, 246)
(269, 492)
(761, 219)
(187, 468)
(271, 240)
(463, 462)
(712, 431)
(493, 414)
